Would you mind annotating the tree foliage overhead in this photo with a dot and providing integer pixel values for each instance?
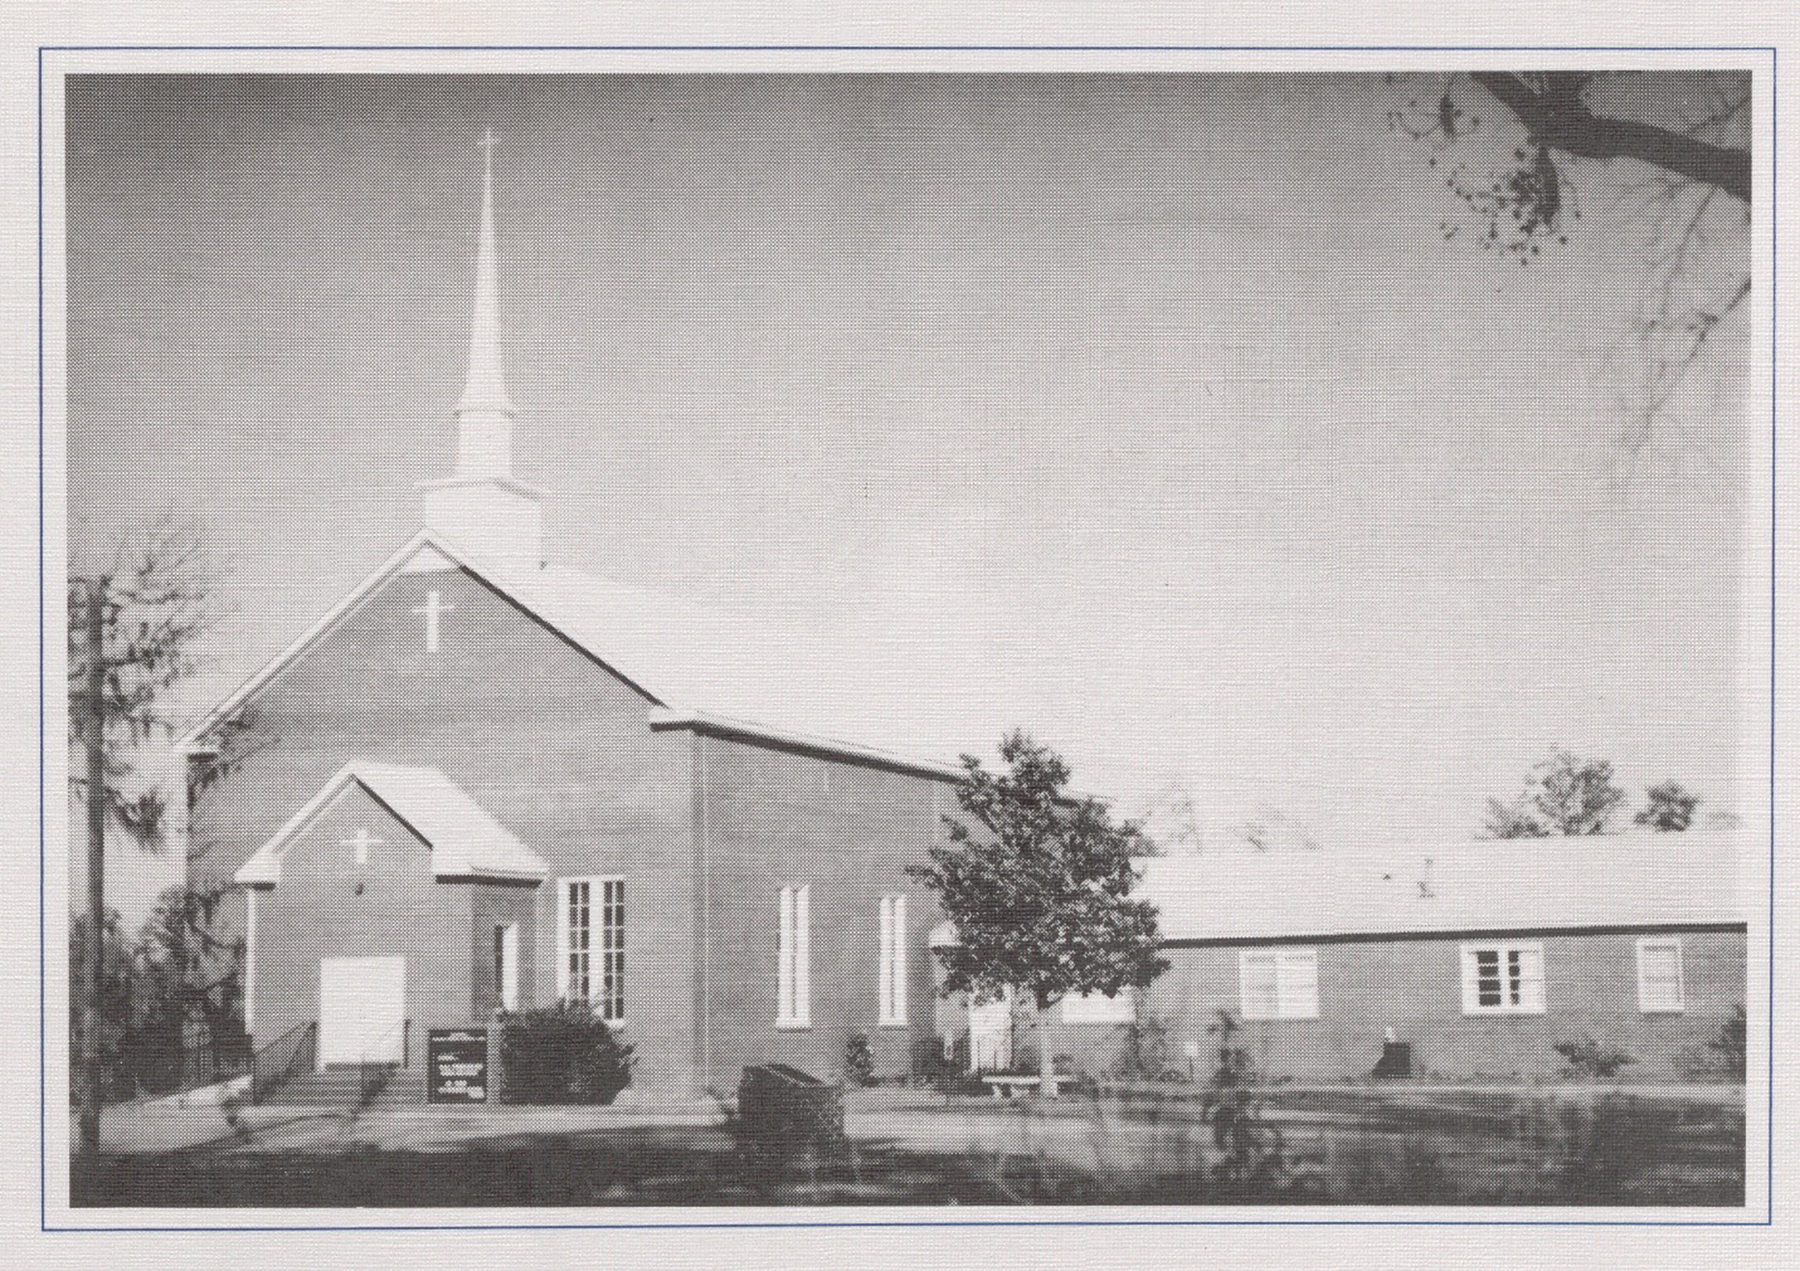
(1038, 884)
(1525, 150)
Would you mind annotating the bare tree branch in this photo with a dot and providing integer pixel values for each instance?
(1556, 116)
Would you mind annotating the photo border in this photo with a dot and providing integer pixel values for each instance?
(1233, 1219)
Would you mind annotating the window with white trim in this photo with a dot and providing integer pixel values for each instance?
(793, 1007)
(1503, 979)
(590, 938)
(1278, 983)
(892, 976)
(1660, 988)
(1099, 1008)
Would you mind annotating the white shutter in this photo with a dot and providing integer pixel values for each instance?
(1297, 984)
(1527, 994)
(784, 1008)
(885, 976)
(803, 956)
(899, 976)
(1660, 987)
(1258, 984)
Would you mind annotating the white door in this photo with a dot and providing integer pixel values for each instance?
(362, 1010)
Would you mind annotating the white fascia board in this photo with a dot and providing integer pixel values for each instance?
(664, 718)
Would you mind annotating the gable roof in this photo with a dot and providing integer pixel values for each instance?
(706, 669)
(1614, 880)
(465, 841)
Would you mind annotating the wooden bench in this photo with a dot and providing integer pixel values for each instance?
(1005, 1087)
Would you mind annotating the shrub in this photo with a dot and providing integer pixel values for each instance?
(859, 1063)
(1588, 1058)
(1728, 1045)
(1145, 1055)
(561, 1054)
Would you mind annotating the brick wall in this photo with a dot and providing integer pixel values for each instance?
(775, 818)
(554, 746)
(328, 906)
(1414, 986)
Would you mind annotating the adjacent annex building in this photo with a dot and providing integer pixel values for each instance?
(1476, 958)
(486, 781)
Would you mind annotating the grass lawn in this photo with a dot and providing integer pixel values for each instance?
(1356, 1146)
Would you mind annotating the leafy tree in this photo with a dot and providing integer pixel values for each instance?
(192, 978)
(1564, 795)
(1668, 808)
(120, 990)
(134, 624)
(1514, 820)
(1038, 884)
(1519, 149)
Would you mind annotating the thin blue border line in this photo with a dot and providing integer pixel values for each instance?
(908, 48)
(1774, 564)
(43, 912)
(1774, 418)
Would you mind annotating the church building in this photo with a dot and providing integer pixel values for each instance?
(487, 781)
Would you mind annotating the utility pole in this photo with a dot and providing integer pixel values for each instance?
(94, 981)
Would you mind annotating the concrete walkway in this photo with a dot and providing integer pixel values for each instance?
(918, 1120)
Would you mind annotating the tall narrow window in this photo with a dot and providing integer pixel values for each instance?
(1660, 987)
(794, 977)
(612, 945)
(591, 944)
(506, 965)
(893, 985)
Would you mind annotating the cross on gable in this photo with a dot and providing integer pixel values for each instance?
(362, 843)
(432, 610)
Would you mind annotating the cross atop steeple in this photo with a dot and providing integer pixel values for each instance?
(487, 144)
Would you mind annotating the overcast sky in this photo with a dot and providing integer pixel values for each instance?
(1152, 414)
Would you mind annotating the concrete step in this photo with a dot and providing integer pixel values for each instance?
(342, 1087)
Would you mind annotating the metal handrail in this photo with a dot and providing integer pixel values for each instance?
(290, 1054)
(375, 1072)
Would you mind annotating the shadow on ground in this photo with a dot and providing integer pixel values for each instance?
(1463, 1153)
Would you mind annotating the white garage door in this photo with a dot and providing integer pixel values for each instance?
(362, 1010)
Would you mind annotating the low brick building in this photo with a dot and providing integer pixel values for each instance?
(1478, 958)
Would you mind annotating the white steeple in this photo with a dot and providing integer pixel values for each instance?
(483, 508)
(485, 413)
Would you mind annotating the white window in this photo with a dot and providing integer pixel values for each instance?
(506, 965)
(1099, 1008)
(1278, 983)
(590, 961)
(1503, 979)
(1660, 986)
(893, 985)
(794, 988)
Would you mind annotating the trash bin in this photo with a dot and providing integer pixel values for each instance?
(785, 1111)
(1396, 1060)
